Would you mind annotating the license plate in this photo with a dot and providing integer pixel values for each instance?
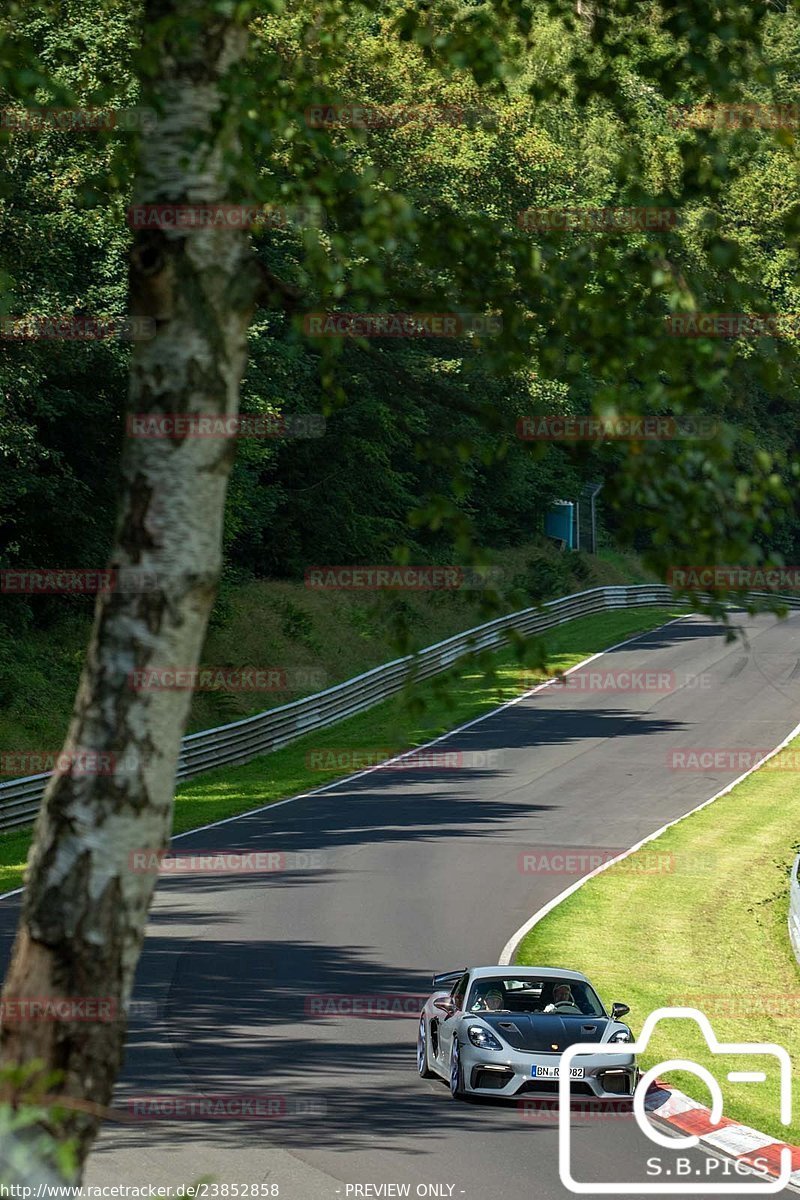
(540, 1072)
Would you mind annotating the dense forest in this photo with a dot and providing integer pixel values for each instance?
(393, 211)
(527, 216)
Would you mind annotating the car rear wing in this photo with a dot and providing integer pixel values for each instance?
(448, 977)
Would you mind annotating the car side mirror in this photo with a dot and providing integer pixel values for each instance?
(445, 1004)
(619, 1010)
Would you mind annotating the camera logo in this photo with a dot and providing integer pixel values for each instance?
(746, 1049)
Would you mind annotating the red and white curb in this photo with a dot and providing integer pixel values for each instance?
(739, 1142)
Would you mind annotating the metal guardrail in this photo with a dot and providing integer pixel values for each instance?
(250, 737)
(794, 908)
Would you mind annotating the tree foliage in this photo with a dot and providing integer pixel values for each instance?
(519, 106)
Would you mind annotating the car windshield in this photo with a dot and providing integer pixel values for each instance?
(562, 997)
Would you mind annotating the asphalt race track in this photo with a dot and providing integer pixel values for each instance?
(416, 870)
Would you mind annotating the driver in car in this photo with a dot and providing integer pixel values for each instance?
(490, 1001)
(562, 997)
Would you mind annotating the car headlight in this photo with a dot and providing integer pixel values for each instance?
(622, 1035)
(483, 1038)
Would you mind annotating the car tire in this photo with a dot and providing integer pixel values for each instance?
(423, 1065)
(456, 1074)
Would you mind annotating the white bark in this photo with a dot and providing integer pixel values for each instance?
(84, 909)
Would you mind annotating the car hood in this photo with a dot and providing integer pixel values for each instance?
(545, 1031)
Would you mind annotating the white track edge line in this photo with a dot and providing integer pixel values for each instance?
(251, 812)
(513, 942)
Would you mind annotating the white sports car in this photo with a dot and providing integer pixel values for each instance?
(500, 1031)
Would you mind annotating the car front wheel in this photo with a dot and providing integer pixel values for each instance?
(422, 1051)
(456, 1074)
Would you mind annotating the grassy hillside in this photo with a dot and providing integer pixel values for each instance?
(282, 624)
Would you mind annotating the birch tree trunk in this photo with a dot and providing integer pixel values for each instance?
(586, 9)
(84, 909)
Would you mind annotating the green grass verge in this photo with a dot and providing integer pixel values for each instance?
(411, 719)
(706, 930)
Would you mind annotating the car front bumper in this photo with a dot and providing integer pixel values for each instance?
(487, 1073)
